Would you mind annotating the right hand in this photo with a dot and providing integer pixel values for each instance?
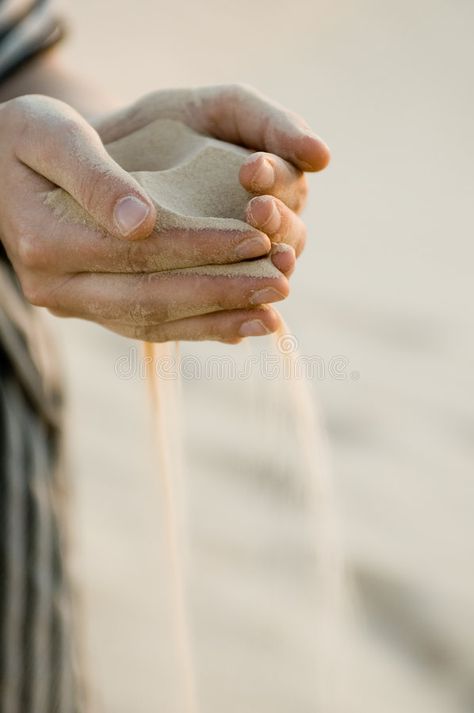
(109, 275)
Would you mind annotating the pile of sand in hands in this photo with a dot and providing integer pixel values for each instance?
(193, 181)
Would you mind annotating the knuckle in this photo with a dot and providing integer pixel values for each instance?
(32, 114)
(67, 129)
(33, 290)
(31, 251)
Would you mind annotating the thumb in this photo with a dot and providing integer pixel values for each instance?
(240, 114)
(60, 145)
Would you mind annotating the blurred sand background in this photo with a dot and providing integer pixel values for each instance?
(385, 282)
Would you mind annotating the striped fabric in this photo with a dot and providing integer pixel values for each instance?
(26, 28)
(36, 649)
(36, 642)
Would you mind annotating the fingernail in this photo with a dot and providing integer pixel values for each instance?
(308, 160)
(272, 223)
(129, 213)
(253, 328)
(269, 294)
(264, 178)
(252, 247)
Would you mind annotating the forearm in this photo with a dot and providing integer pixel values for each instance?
(49, 75)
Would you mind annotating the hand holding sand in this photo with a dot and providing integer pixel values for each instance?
(282, 146)
(81, 270)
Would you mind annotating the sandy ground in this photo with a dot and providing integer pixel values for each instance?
(385, 283)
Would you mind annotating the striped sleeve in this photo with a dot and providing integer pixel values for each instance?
(27, 27)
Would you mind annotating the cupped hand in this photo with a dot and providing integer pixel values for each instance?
(106, 273)
(284, 147)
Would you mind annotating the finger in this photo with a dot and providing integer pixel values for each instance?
(162, 297)
(161, 252)
(230, 327)
(78, 248)
(241, 115)
(284, 258)
(45, 239)
(274, 218)
(266, 174)
(60, 145)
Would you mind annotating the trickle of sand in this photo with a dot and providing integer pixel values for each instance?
(192, 181)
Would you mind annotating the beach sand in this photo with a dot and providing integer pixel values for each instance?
(382, 297)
